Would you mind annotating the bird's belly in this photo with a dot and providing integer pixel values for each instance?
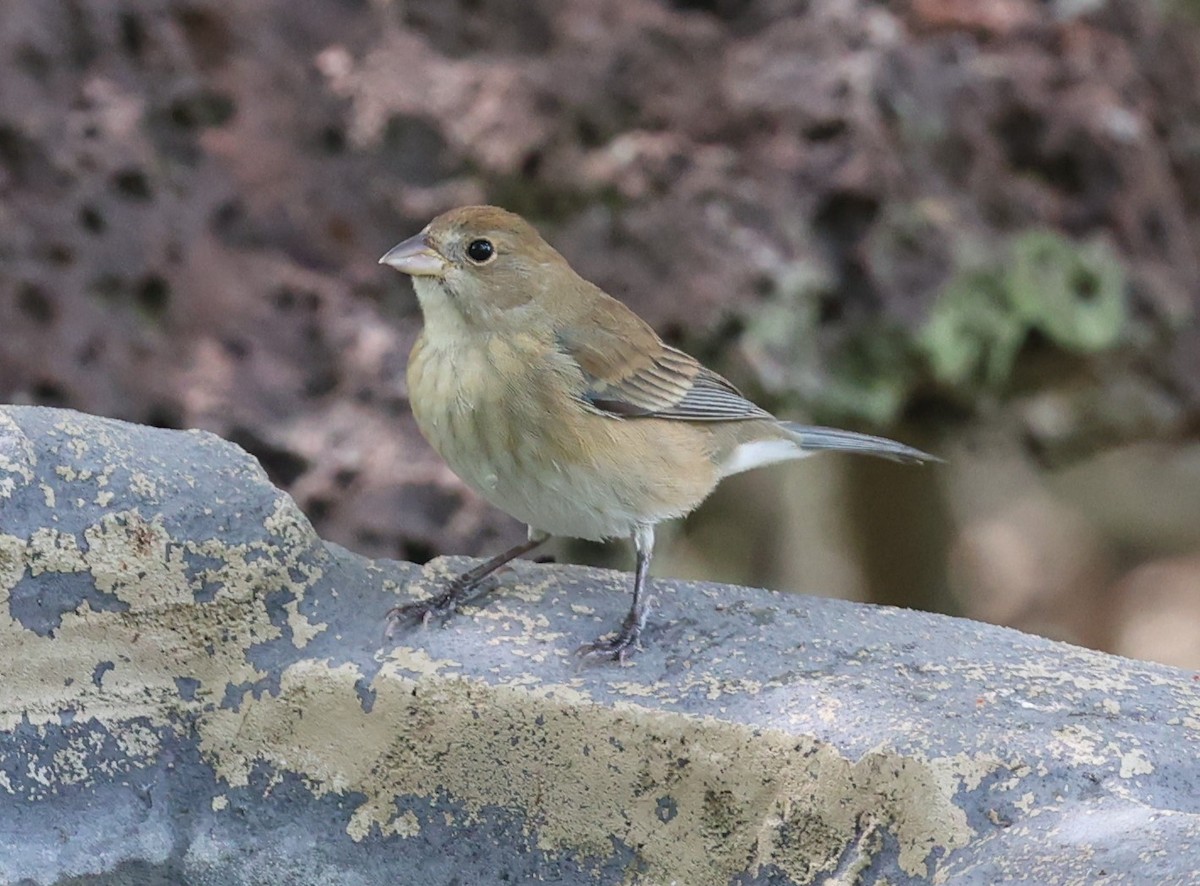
(527, 460)
(561, 499)
(570, 503)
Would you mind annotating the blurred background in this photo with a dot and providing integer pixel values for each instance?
(973, 226)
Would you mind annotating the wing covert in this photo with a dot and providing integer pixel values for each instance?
(659, 381)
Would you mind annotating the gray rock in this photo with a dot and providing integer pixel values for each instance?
(195, 691)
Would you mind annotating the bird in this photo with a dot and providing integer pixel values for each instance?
(562, 407)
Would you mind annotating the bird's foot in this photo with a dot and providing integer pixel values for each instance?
(440, 607)
(620, 645)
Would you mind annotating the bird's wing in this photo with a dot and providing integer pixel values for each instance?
(630, 373)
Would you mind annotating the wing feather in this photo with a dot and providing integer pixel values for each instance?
(633, 374)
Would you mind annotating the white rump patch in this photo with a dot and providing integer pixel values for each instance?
(760, 452)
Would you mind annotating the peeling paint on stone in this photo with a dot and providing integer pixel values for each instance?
(244, 681)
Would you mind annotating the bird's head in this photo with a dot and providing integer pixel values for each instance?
(479, 265)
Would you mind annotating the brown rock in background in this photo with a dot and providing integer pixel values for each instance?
(193, 196)
(1158, 608)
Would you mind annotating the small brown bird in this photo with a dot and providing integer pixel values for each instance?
(562, 407)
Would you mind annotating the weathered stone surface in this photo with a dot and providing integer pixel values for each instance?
(828, 198)
(194, 690)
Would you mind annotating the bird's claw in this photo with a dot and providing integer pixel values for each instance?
(410, 615)
(616, 648)
(439, 607)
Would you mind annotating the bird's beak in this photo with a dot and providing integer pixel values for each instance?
(416, 257)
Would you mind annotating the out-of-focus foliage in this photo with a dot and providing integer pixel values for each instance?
(1073, 294)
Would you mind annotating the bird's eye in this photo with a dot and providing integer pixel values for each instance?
(480, 251)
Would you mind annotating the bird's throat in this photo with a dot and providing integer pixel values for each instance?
(445, 324)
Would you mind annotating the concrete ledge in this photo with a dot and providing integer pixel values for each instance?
(194, 691)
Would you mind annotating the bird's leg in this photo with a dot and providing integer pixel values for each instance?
(461, 589)
(621, 644)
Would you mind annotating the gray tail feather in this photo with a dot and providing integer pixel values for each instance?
(817, 439)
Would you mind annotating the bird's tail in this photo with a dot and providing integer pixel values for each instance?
(816, 439)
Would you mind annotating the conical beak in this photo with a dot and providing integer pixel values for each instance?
(416, 257)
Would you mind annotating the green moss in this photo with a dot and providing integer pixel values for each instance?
(1073, 294)
(866, 377)
(1186, 9)
(870, 377)
(973, 334)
